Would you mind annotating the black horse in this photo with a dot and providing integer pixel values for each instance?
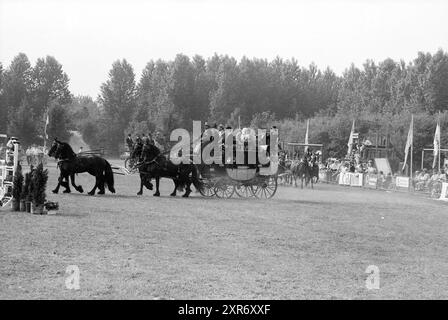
(70, 163)
(157, 166)
(314, 169)
(301, 169)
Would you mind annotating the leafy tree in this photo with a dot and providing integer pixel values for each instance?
(90, 133)
(262, 120)
(81, 110)
(118, 99)
(182, 91)
(48, 83)
(57, 127)
(15, 87)
(17, 81)
(22, 124)
(224, 99)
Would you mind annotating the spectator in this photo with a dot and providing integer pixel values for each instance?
(381, 179)
(370, 168)
(422, 180)
(443, 175)
(433, 179)
(388, 181)
(416, 179)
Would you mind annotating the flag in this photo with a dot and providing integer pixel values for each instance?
(409, 142)
(306, 134)
(436, 144)
(350, 139)
(47, 121)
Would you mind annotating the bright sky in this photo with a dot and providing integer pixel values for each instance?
(86, 36)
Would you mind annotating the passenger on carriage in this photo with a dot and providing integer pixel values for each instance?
(129, 143)
(138, 141)
(160, 142)
(205, 136)
(137, 148)
(145, 147)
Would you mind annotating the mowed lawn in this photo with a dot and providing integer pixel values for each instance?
(301, 244)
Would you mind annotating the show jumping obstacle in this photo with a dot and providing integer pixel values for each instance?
(8, 168)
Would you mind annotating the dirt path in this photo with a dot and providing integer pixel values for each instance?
(76, 141)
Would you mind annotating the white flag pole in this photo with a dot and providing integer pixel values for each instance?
(350, 139)
(306, 134)
(412, 146)
(440, 138)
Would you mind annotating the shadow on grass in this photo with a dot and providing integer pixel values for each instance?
(64, 214)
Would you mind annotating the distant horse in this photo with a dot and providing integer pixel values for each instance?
(302, 170)
(157, 166)
(70, 163)
(284, 169)
(314, 169)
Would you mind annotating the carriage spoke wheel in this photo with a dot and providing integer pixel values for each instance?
(207, 190)
(266, 188)
(223, 190)
(244, 191)
(129, 164)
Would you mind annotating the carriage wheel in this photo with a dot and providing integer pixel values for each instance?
(207, 190)
(266, 188)
(128, 163)
(244, 191)
(223, 190)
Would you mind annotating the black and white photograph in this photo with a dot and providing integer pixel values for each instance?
(239, 152)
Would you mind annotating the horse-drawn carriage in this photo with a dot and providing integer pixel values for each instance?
(243, 173)
(246, 181)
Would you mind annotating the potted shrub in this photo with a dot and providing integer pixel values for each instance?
(25, 193)
(17, 189)
(29, 196)
(39, 184)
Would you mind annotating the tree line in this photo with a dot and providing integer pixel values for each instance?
(221, 89)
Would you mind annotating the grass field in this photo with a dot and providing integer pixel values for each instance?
(301, 244)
